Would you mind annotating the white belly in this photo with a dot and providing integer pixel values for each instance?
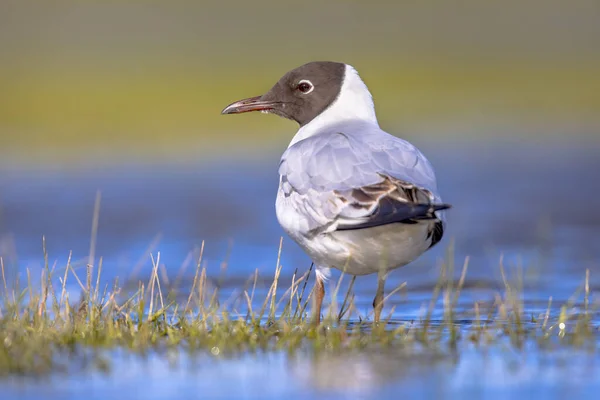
(356, 252)
(378, 249)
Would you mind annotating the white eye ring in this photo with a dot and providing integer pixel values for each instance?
(312, 87)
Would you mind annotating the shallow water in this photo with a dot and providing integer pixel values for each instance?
(494, 374)
(530, 202)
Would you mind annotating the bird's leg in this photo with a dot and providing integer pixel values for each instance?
(378, 301)
(318, 293)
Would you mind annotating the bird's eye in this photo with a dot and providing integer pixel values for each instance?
(305, 86)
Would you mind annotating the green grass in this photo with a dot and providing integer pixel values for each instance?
(43, 331)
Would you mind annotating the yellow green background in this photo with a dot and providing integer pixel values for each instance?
(102, 81)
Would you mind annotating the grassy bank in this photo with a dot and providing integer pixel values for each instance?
(148, 80)
(73, 105)
(85, 114)
(44, 330)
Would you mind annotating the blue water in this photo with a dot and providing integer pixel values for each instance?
(472, 374)
(532, 203)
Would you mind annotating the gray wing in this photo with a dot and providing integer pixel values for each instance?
(357, 179)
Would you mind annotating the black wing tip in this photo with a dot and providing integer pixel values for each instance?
(406, 214)
(442, 206)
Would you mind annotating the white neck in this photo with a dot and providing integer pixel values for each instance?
(353, 103)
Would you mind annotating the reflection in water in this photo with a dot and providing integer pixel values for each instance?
(366, 370)
(477, 373)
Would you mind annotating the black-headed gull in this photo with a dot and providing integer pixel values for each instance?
(351, 195)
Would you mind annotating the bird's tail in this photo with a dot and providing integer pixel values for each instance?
(423, 211)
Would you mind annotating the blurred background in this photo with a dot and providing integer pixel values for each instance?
(124, 98)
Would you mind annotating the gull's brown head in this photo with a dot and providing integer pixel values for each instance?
(300, 95)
